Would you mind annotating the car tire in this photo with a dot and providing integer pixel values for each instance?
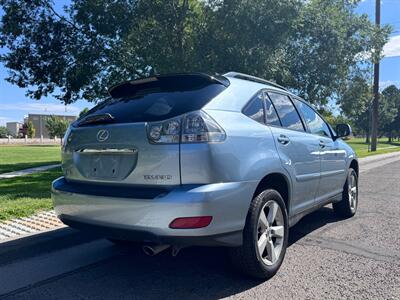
(347, 207)
(248, 258)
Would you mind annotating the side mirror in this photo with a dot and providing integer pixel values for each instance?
(343, 130)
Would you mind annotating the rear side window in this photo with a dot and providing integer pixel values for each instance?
(159, 99)
(254, 109)
(286, 111)
(315, 123)
(270, 113)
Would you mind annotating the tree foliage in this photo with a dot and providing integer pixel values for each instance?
(309, 46)
(355, 103)
(4, 133)
(390, 112)
(57, 126)
(332, 119)
(30, 130)
(83, 112)
(355, 100)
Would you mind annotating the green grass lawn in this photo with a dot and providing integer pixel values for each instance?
(13, 158)
(361, 148)
(26, 195)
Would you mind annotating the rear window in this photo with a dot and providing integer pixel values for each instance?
(158, 99)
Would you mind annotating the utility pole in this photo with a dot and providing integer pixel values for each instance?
(375, 103)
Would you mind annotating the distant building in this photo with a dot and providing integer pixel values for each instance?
(39, 123)
(14, 127)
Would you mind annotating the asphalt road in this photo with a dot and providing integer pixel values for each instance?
(357, 258)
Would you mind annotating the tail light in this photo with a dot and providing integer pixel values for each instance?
(66, 138)
(194, 127)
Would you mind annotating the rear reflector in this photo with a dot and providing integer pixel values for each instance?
(190, 222)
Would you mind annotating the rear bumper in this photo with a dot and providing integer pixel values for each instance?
(117, 232)
(145, 215)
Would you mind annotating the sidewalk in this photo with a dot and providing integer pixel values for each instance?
(378, 157)
(28, 171)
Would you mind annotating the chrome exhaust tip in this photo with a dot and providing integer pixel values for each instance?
(154, 250)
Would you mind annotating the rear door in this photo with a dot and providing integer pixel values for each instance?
(298, 152)
(333, 162)
(110, 144)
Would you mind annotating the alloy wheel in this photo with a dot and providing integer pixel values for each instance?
(270, 231)
(353, 192)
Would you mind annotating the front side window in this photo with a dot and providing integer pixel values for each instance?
(286, 111)
(254, 109)
(314, 122)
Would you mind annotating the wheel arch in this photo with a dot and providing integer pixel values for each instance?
(278, 182)
(354, 165)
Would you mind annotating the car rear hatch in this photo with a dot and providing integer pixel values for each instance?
(110, 145)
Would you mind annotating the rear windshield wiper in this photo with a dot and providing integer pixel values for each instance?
(96, 119)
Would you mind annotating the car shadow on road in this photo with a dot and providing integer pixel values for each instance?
(314, 221)
(197, 272)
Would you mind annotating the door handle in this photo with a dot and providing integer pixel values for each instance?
(322, 144)
(283, 139)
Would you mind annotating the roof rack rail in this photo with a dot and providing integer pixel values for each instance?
(253, 78)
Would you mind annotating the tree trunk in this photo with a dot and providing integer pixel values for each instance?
(367, 136)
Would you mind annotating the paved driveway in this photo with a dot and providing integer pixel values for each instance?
(327, 258)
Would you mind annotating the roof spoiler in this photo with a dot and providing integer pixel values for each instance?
(120, 90)
(254, 79)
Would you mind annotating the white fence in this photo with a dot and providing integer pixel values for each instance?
(28, 141)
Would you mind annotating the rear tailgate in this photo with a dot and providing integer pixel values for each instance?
(110, 144)
(119, 153)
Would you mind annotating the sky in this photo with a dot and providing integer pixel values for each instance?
(14, 105)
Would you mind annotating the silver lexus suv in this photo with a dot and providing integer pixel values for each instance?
(190, 159)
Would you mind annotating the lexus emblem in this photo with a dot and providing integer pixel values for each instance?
(102, 135)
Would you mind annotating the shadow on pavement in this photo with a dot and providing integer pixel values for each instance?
(39, 244)
(312, 222)
(195, 273)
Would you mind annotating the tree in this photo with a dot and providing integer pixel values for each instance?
(83, 112)
(325, 48)
(355, 103)
(332, 119)
(309, 46)
(354, 100)
(4, 133)
(30, 130)
(389, 111)
(57, 126)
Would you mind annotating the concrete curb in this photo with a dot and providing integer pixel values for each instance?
(37, 223)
